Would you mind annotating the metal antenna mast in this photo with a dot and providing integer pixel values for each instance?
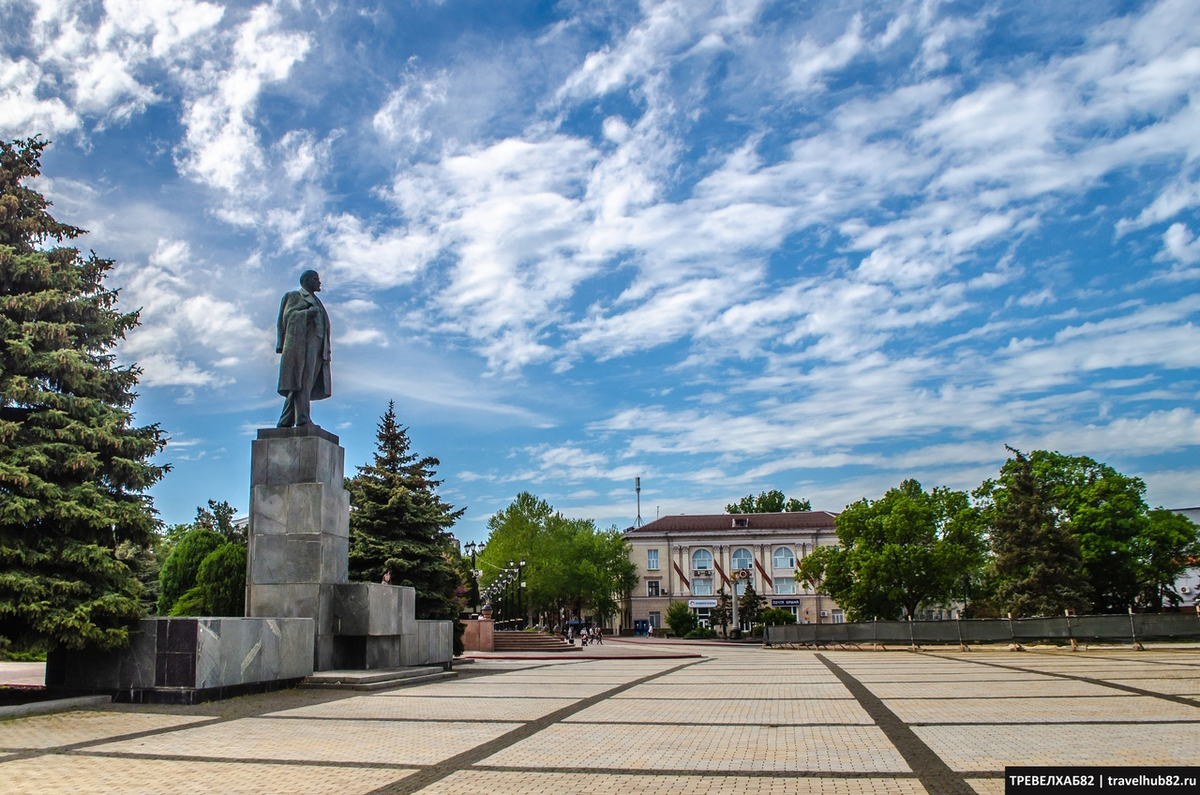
(637, 486)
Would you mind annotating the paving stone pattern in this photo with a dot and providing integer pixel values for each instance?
(737, 720)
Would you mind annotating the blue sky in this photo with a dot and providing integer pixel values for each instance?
(725, 246)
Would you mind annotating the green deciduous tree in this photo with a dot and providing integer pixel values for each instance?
(1102, 510)
(571, 566)
(1105, 512)
(772, 501)
(910, 547)
(1036, 564)
(1166, 547)
(218, 517)
(680, 619)
(399, 524)
(74, 468)
(179, 562)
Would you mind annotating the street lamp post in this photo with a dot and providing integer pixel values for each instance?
(509, 599)
(472, 547)
(520, 588)
(504, 598)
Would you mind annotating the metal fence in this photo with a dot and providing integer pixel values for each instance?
(1131, 628)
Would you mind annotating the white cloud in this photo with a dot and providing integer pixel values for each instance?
(810, 61)
(402, 119)
(22, 111)
(221, 147)
(97, 67)
(1181, 245)
(570, 463)
(187, 337)
(376, 258)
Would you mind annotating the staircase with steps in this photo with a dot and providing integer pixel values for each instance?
(380, 679)
(530, 642)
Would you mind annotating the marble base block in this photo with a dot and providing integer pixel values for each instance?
(187, 660)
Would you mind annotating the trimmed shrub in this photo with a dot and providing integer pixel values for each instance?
(701, 633)
(220, 588)
(776, 616)
(180, 569)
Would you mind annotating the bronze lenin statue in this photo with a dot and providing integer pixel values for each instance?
(304, 342)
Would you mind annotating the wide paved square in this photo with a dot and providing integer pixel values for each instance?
(734, 720)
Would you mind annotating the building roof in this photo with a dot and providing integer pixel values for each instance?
(794, 520)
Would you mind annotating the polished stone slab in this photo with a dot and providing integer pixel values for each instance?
(191, 659)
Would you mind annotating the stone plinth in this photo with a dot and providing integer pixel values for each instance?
(188, 660)
(366, 626)
(299, 526)
(479, 635)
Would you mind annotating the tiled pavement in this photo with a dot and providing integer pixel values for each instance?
(737, 720)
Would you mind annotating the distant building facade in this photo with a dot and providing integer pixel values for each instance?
(690, 558)
(1187, 585)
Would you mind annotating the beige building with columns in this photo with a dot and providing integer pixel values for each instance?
(690, 558)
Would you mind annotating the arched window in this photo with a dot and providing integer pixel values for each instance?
(702, 559)
(742, 559)
(784, 559)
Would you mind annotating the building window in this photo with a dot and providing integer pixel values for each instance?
(655, 619)
(651, 560)
(784, 559)
(742, 559)
(785, 585)
(652, 588)
(741, 522)
(702, 587)
(740, 586)
(837, 616)
(701, 559)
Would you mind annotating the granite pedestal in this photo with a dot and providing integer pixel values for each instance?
(299, 528)
(299, 559)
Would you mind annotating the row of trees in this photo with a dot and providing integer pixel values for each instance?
(1051, 532)
(572, 568)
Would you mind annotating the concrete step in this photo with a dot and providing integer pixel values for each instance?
(381, 679)
(527, 641)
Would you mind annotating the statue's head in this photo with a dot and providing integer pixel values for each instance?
(311, 281)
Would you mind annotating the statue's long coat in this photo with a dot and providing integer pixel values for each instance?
(298, 330)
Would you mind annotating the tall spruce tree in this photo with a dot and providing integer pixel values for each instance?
(399, 524)
(1037, 567)
(73, 466)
